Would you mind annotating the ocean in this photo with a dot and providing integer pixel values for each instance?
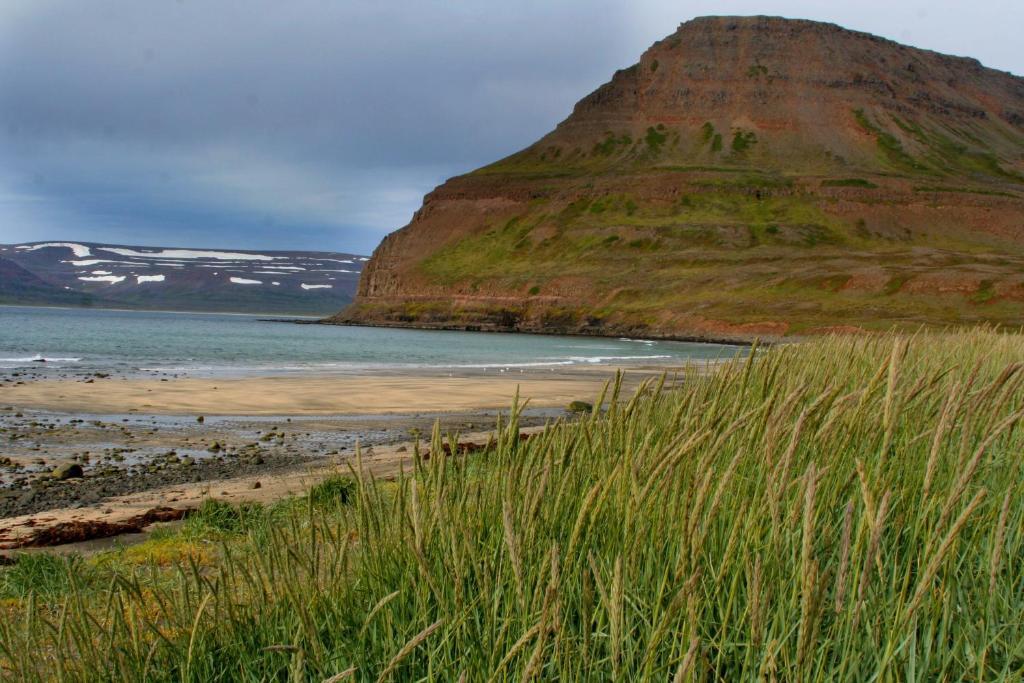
(215, 344)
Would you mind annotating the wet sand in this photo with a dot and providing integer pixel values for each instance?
(303, 395)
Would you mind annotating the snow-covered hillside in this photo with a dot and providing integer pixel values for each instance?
(178, 278)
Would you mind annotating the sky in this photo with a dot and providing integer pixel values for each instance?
(316, 124)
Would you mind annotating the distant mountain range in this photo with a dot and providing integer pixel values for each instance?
(177, 279)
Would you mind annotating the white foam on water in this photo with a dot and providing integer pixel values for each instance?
(571, 360)
(276, 284)
(139, 279)
(270, 272)
(39, 357)
(244, 281)
(305, 286)
(190, 254)
(78, 249)
(101, 272)
(112, 279)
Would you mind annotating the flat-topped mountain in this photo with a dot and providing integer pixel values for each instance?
(90, 274)
(748, 176)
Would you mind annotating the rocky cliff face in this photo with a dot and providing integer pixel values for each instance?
(748, 176)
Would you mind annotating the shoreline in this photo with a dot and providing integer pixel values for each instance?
(135, 438)
(739, 342)
(311, 395)
(130, 517)
(156, 459)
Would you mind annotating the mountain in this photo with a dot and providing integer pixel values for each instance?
(25, 287)
(108, 275)
(749, 176)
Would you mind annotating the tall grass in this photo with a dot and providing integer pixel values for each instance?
(847, 509)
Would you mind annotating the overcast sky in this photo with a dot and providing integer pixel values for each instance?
(315, 124)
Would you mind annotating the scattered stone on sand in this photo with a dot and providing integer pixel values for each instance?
(580, 407)
(69, 470)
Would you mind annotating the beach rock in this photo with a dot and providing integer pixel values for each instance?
(580, 407)
(70, 470)
(200, 419)
(255, 485)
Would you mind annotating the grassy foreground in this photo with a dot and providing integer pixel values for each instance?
(846, 509)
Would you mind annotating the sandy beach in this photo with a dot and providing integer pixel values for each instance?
(303, 395)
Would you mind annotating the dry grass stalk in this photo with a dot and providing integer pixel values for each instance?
(933, 565)
(997, 542)
(872, 557)
(686, 666)
(844, 557)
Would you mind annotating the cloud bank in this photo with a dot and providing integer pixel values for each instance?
(321, 124)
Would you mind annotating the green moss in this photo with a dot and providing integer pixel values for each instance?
(986, 292)
(757, 70)
(963, 190)
(612, 144)
(654, 66)
(889, 146)
(743, 140)
(895, 284)
(849, 182)
(716, 143)
(707, 132)
(655, 139)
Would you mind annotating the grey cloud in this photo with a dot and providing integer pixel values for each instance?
(269, 122)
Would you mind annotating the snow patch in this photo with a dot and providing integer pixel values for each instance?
(276, 284)
(94, 261)
(101, 272)
(244, 281)
(190, 254)
(112, 279)
(139, 279)
(78, 249)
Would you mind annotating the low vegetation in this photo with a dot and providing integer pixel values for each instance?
(843, 510)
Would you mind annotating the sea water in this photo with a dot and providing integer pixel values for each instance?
(212, 344)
